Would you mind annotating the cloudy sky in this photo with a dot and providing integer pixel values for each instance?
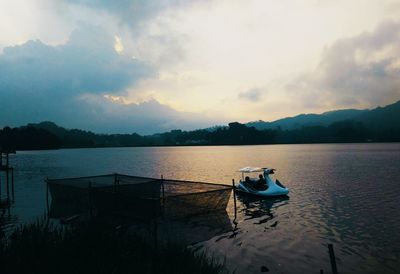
(152, 66)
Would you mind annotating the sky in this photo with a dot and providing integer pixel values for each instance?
(153, 66)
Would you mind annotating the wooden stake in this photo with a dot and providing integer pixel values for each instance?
(12, 183)
(7, 183)
(234, 197)
(162, 188)
(47, 197)
(332, 259)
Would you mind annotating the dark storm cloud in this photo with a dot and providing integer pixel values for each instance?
(359, 70)
(87, 63)
(67, 83)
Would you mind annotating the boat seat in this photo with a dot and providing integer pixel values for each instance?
(250, 186)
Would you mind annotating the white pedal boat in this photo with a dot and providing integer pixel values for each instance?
(249, 186)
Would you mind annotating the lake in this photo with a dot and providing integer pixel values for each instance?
(343, 194)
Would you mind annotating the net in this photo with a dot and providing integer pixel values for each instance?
(134, 196)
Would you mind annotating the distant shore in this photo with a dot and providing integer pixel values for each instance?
(204, 145)
(48, 135)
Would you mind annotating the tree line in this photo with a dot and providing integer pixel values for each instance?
(48, 135)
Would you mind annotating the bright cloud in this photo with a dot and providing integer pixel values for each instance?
(118, 46)
(208, 54)
(359, 71)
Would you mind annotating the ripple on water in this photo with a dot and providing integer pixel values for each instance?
(345, 194)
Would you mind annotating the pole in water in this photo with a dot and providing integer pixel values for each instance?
(234, 197)
(162, 187)
(12, 183)
(47, 196)
(162, 204)
(332, 258)
(7, 184)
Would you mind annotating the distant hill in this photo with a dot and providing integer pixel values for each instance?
(71, 138)
(378, 118)
(27, 138)
(381, 118)
(341, 126)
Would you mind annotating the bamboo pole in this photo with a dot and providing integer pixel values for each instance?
(7, 183)
(12, 184)
(162, 205)
(332, 259)
(234, 197)
(47, 196)
(162, 188)
(4, 167)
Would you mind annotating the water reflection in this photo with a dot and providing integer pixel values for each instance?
(257, 207)
(257, 224)
(181, 231)
(196, 229)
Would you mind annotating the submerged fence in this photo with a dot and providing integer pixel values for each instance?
(134, 196)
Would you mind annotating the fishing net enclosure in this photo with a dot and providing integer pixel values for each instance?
(133, 196)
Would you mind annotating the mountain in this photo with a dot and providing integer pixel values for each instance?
(71, 138)
(379, 118)
(306, 120)
(27, 138)
(382, 118)
(341, 126)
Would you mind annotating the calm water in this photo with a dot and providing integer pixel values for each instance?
(344, 194)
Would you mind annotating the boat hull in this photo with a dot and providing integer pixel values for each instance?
(273, 190)
(243, 192)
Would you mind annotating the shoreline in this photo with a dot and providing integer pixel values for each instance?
(224, 145)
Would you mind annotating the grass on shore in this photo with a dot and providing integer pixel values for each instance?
(93, 248)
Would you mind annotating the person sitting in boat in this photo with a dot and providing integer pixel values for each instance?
(251, 184)
(248, 181)
(261, 184)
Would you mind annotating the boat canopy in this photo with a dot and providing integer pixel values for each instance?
(250, 169)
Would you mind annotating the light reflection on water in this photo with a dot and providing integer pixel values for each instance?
(345, 194)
